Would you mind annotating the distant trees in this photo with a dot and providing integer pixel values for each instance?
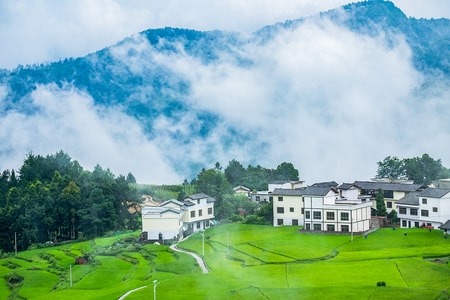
(53, 198)
(422, 170)
(218, 184)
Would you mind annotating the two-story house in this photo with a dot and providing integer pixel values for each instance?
(172, 219)
(430, 207)
(199, 212)
(287, 207)
(326, 210)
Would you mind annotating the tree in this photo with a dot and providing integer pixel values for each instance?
(423, 169)
(381, 206)
(285, 171)
(235, 172)
(392, 168)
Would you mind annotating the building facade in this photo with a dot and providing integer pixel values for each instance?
(173, 219)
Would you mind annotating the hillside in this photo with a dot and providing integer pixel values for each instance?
(180, 99)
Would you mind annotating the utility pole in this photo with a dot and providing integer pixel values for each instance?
(203, 244)
(155, 284)
(70, 275)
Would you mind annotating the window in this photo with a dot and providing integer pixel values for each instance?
(413, 211)
(435, 209)
(317, 227)
(402, 210)
(193, 214)
(388, 194)
(307, 214)
(416, 224)
(330, 216)
(291, 209)
(344, 228)
(424, 212)
(344, 216)
(270, 198)
(280, 210)
(303, 211)
(403, 223)
(198, 225)
(388, 204)
(280, 198)
(308, 226)
(330, 227)
(424, 201)
(317, 215)
(294, 222)
(280, 222)
(258, 198)
(200, 213)
(210, 210)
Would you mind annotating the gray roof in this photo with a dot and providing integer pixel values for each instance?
(288, 192)
(445, 226)
(172, 201)
(433, 193)
(198, 196)
(345, 186)
(409, 199)
(316, 191)
(387, 186)
(328, 184)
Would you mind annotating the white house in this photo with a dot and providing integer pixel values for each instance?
(199, 212)
(325, 210)
(164, 222)
(430, 207)
(174, 219)
(287, 207)
(323, 206)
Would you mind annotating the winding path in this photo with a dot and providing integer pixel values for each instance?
(199, 260)
(197, 257)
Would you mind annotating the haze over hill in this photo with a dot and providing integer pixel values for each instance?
(333, 93)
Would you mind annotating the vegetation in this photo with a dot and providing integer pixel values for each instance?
(53, 199)
(422, 170)
(245, 262)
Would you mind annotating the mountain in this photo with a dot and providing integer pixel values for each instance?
(170, 101)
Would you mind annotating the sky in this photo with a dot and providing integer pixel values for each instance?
(329, 117)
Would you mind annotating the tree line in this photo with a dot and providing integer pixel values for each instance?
(52, 198)
(420, 169)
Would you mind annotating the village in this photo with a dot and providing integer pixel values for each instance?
(327, 207)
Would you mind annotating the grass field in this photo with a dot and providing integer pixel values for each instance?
(245, 262)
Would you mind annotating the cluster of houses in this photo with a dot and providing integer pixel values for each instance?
(325, 206)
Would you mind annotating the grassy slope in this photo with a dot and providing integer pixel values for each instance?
(258, 262)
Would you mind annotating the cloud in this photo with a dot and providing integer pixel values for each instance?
(331, 101)
(66, 119)
(59, 29)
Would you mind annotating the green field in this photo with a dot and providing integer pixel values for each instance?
(245, 262)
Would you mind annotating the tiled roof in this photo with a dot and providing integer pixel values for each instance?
(433, 193)
(409, 199)
(198, 196)
(345, 186)
(172, 201)
(326, 184)
(316, 191)
(387, 186)
(288, 192)
(445, 226)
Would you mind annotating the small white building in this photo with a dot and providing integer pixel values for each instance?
(430, 207)
(287, 207)
(174, 219)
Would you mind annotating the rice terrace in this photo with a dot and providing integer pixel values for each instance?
(244, 262)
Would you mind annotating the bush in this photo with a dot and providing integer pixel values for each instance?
(381, 283)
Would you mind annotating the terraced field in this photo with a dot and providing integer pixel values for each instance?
(245, 261)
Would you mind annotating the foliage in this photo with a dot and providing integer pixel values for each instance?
(54, 199)
(381, 206)
(422, 170)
